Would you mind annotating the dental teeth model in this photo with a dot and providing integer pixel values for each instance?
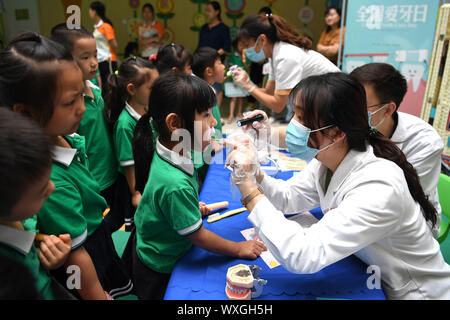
(243, 282)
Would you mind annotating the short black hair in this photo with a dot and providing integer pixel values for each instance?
(388, 83)
(172, 56)
(148, 6)
(217, 7)
(26, 156)
(203, 58)
(67, 37)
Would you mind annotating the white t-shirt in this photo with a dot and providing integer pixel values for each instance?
(103, 51)
(291, 64)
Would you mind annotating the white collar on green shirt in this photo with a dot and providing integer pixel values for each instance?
(136, 116)
(182, 162)
(63, 156)
(19, 240)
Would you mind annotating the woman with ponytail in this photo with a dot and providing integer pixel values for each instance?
(106, 40)
(291, 59)
(126, 102)
(374, 206)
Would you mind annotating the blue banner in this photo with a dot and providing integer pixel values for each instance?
(400, 33)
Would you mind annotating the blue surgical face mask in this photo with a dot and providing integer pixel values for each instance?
(254, 56)
(297, 141)
(371, 114)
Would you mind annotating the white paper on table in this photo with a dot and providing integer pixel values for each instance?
(306, 220)
(267, 256)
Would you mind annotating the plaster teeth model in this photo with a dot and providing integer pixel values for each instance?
(243, 282)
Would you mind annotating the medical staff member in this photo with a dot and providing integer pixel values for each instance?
(373, 204)
(290, 56)
(419, 141)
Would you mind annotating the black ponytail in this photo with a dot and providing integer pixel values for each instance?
(386, 149)
(130, 71)
(275, 28)
(173, 56)
(143, 151)
(100, 9)
(339, 99)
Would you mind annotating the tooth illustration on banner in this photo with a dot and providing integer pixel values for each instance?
(413, 72)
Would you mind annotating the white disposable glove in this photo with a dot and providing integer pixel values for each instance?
(241, 77)
(242, 159)
(259, 131)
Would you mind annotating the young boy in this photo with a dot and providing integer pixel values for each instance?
(385, 89)
(25, 167)
(208, 66)
(102, 161)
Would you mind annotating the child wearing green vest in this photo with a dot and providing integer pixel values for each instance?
(41, 81)
(168, 219)
(25, 168)
(99, 146)
(126, 102)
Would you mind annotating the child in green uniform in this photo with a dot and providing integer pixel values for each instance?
(25, 168)
(127, 101)
(208, 66)
(173, 58)
(40, 80)
(99, 147)
(168, 219)
(237, 58)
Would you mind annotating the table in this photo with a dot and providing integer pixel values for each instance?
(201, 275)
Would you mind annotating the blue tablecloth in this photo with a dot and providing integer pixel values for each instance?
(201, 275)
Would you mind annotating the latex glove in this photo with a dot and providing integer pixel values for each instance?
(260, 132)
(243, 159)
(241, 77)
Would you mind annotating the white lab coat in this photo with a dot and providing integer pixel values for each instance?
(423, 148)
(368, 211)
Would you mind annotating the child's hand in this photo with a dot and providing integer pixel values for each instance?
(204, 209)
(135, 199)
(251, 249)
(54, 251)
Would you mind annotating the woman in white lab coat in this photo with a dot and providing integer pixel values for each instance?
(373, 204)
(290, 56)
(422, 145)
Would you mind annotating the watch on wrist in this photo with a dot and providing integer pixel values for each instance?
(245, 201)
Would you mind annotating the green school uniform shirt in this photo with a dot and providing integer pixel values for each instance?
(236, 60)
(19, 246)
(168, 212)
(99, 146)
(216, 114)
(76, 206)
(123, 137)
